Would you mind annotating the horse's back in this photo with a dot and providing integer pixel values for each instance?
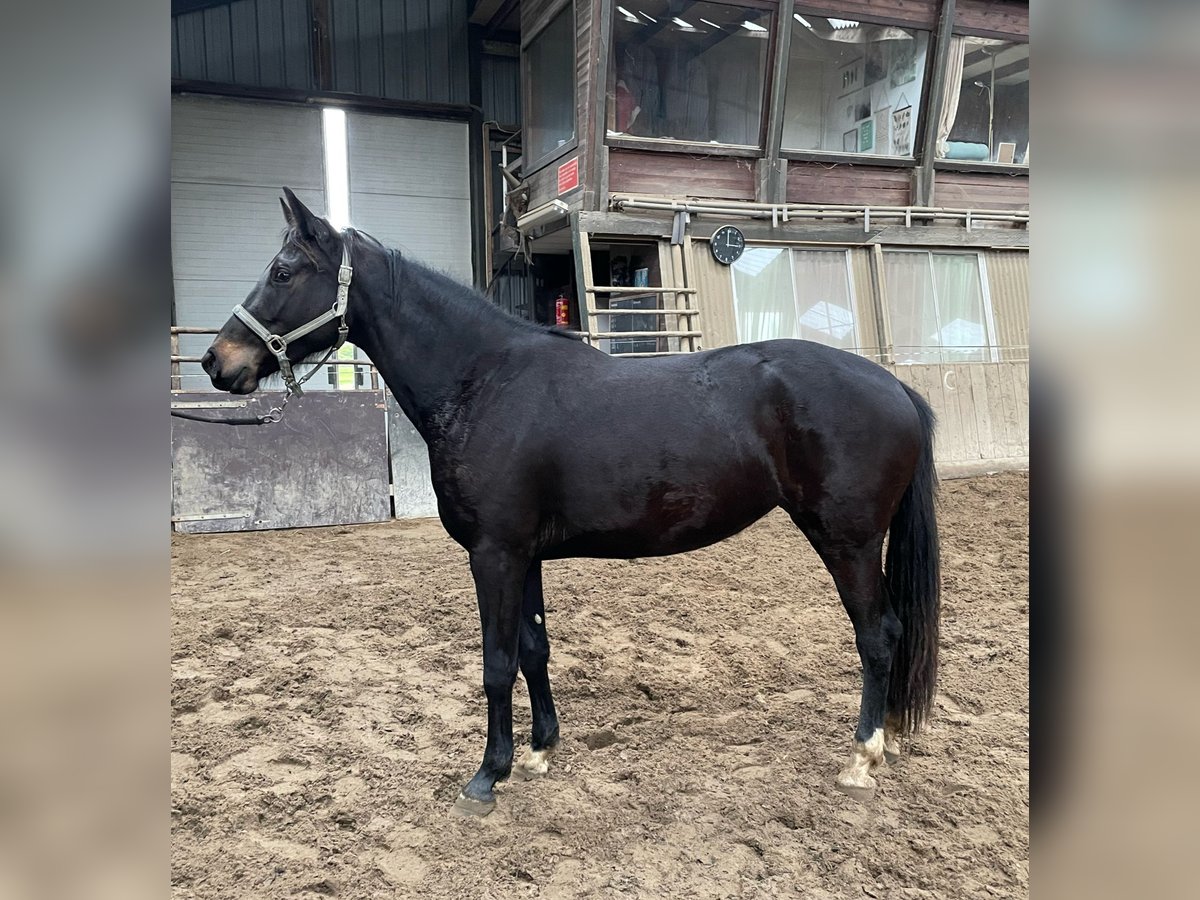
(652, 456)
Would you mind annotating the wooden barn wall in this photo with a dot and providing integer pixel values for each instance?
(810, 182)
(914, 12)
(680, 175)
(536, 14)
(982, 410)
(414, 50)
(1008, 17)
(980, 190)
(1008, 284)
(260, 43)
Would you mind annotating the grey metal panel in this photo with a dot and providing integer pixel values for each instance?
(326, 463)
(412, 50)
(272, 67)
(243, 34)
(229, 160)
(190, 28)
(410, 187)
(218, 49)
(398, 155)
(240, 142)
(297, 26)
(412, 488)
(501, 76)
(261, 43)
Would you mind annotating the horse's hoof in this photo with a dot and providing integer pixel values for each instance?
(469, 806)
(535, 764)
(891, 756)
(861, 793)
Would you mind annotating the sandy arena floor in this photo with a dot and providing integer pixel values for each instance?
(327, 708)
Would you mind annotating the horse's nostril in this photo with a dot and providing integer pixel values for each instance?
(208, 362)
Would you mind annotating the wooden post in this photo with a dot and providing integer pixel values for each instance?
(927, 122)
(176, 379)
(596, 171)
(887, 352)
(772, 186)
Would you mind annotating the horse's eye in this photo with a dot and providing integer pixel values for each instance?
(282, 276)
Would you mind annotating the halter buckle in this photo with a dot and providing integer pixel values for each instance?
(276, 345)
(344, 274)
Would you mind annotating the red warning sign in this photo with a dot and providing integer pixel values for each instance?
(568, 175)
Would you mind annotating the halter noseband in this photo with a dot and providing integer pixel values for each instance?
(278, 344)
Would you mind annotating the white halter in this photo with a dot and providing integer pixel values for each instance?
(278, 345)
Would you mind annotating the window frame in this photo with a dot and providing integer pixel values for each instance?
(922, 108)
(966, 165)
(989, 319)
(551, 17)
(791, 250)
(703, 148)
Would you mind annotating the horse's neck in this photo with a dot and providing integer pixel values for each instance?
(425, 343)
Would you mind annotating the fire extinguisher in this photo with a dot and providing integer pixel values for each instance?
(562, 310)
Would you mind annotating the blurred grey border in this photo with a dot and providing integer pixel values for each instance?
(84, 303)
(84, 535)
(1115, 469)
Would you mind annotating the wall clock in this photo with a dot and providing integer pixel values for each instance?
(727, 244)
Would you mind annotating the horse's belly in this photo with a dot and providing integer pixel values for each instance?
(660, 536)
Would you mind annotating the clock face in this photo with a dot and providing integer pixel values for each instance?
(727, 244)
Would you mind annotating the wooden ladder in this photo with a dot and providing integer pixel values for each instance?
(686, 333)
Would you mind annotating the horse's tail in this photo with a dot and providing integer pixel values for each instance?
(913, 578)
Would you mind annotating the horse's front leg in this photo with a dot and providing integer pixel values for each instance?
(499, 579)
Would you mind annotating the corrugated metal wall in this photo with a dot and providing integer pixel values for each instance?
(1008, 283)
(228, 161)
(401, 49)
(413, 50)
(261, 43)
(410, 187)
(714, 297)
(501, 77)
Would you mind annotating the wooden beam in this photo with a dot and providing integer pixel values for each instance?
(596, 169)
(922, 189)
(772, 185)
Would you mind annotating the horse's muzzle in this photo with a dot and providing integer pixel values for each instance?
(236, 379)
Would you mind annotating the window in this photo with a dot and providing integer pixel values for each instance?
(853, 87)
(688, 72)
(938, 307)
(782, 293)
(550, 88)
(986, 106)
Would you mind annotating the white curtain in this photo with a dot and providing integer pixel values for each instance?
(951, 91)
(823, 297)
(764, 302)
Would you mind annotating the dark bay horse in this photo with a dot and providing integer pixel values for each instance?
(542, 447)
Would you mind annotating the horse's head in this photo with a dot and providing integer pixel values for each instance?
(297, 287)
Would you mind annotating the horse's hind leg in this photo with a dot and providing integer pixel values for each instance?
(534, 655)
(858, 573)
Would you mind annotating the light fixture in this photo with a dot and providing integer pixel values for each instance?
(713, 24)
(750, 26)
(542, 215)
(803, 21)
(337, 167)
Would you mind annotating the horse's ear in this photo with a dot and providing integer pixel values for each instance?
(308, 225)
(287, 213)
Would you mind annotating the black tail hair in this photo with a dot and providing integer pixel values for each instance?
(913, 577)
